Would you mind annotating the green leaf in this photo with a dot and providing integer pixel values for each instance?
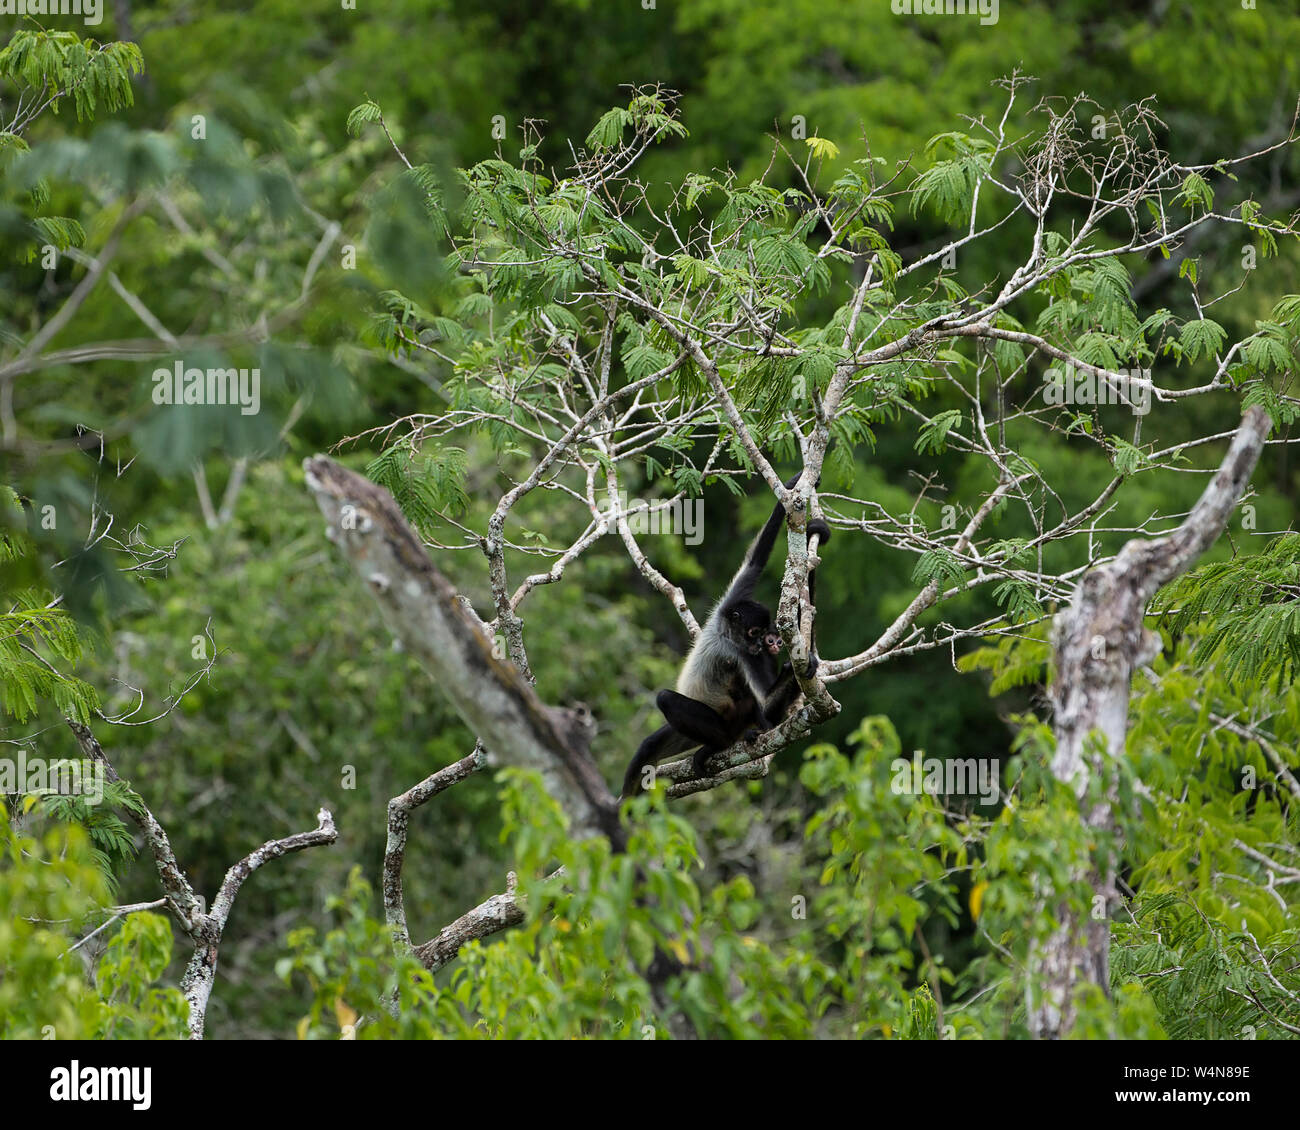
(609, 129)
(1203, 338)
(822, 148)
(368, 111)
(1195, 189)
(933, 436)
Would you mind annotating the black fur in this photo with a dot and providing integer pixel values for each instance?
(730, 685)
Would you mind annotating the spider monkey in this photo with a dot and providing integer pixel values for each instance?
(729, 685)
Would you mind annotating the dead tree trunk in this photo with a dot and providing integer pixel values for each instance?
(422, 609)
(1100, 641)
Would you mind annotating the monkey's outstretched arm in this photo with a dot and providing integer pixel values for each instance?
(760, 549)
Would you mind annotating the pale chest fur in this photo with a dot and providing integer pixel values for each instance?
(712, 675)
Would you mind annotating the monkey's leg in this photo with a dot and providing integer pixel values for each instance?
(699, 722)
(695, 719)
(664, 742)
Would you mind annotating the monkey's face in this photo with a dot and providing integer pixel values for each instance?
(759, 637)
(751, 629)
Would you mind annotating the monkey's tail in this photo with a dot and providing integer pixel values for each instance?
(664, 742)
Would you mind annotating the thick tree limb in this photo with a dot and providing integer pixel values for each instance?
(1100, 642)
(421, 608)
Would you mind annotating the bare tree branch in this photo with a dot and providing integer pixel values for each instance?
(399, 817)
(204, 928)
(498, 913)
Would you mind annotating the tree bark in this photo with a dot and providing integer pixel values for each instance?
(421, 608)
(1100, 641)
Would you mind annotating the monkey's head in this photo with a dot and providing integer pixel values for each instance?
(750, 626)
